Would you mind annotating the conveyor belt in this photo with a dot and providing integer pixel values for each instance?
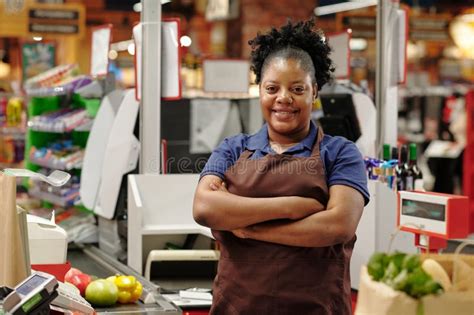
(91, 260)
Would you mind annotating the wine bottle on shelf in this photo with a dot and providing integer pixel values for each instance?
(401, 169)
(386, 152)
(415, 176)
(394, 153)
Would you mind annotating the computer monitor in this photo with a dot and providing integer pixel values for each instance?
(340, 118)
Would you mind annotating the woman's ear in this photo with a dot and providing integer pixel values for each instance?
(315, 91)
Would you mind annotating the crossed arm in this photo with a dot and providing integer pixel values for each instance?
(256, 218)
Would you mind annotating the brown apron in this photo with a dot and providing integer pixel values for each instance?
(256, 277)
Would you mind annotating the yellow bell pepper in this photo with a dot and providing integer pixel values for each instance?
(129, 289)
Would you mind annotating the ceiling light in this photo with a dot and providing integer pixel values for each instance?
(358, 44)
(345, 6)
(37, 38)
(185, 41)
(462, 32)
(113, 54)
(137, 7)
(5, 69)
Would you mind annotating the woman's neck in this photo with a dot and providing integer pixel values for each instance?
(291, 139)
(280, 148)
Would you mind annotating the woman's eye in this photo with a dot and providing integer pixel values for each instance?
(298, 89)
(271, 89)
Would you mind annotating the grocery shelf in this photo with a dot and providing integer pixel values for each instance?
(58, 165)
(86, 126)
(61, 121)
(71, 86)
(53, 198)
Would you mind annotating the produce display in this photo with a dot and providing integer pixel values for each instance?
(79, 279)
(129, 288)
(102, 292)
(404, 272)
(105, 292)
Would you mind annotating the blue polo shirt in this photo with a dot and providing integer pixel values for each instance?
(341, 159)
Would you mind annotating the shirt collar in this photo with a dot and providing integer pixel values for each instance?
(259, 141)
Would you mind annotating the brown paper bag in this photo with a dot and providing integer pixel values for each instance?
(376, 298)
(456, 303)
(13, 266)
(461, 299)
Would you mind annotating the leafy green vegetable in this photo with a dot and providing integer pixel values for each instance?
(402, 272)
(410, 262)
(376, 265)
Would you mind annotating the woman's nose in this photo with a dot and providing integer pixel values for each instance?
(285, 97)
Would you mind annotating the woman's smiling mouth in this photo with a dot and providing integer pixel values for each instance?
(284, 114)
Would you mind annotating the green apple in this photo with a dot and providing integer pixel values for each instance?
(102, 293)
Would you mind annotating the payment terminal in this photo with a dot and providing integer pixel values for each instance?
(434, 218)
(32, 296)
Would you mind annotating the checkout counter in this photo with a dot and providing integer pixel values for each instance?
(40, 243)
(24, 299)
(95, 262)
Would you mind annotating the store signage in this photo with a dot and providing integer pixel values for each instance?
(433, 27)
(41, 19)
(54, 14)
(100, 46)
(341, 53)
(36, 58)
(56, 19)
(362, 26)
(430, 36)
(53, 28)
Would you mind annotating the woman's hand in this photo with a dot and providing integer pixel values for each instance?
(240, 233)
(216, 185)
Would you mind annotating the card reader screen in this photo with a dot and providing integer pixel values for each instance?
(34, 282)
(422, 209)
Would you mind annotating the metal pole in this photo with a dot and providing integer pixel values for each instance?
(150, 106)
(380, 78)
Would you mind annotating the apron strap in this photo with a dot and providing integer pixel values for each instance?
(317, 143)
(245, 155)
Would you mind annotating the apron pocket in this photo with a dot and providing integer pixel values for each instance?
(246, 286)
(312, 286)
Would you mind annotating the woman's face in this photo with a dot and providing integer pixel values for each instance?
(286, 97)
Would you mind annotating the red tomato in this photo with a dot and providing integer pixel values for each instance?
(80, 281)
(71, 272)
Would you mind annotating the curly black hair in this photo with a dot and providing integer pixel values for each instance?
(295, 41)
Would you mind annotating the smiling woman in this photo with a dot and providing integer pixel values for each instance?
(287, 93)
(285, 202)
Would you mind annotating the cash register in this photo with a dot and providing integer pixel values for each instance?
(32, 296)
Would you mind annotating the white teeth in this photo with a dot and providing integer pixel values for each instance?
(281, 114)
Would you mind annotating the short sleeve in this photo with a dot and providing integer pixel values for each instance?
(224, 156)
(348, 169)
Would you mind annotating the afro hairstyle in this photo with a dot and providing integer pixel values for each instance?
(284, 42)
